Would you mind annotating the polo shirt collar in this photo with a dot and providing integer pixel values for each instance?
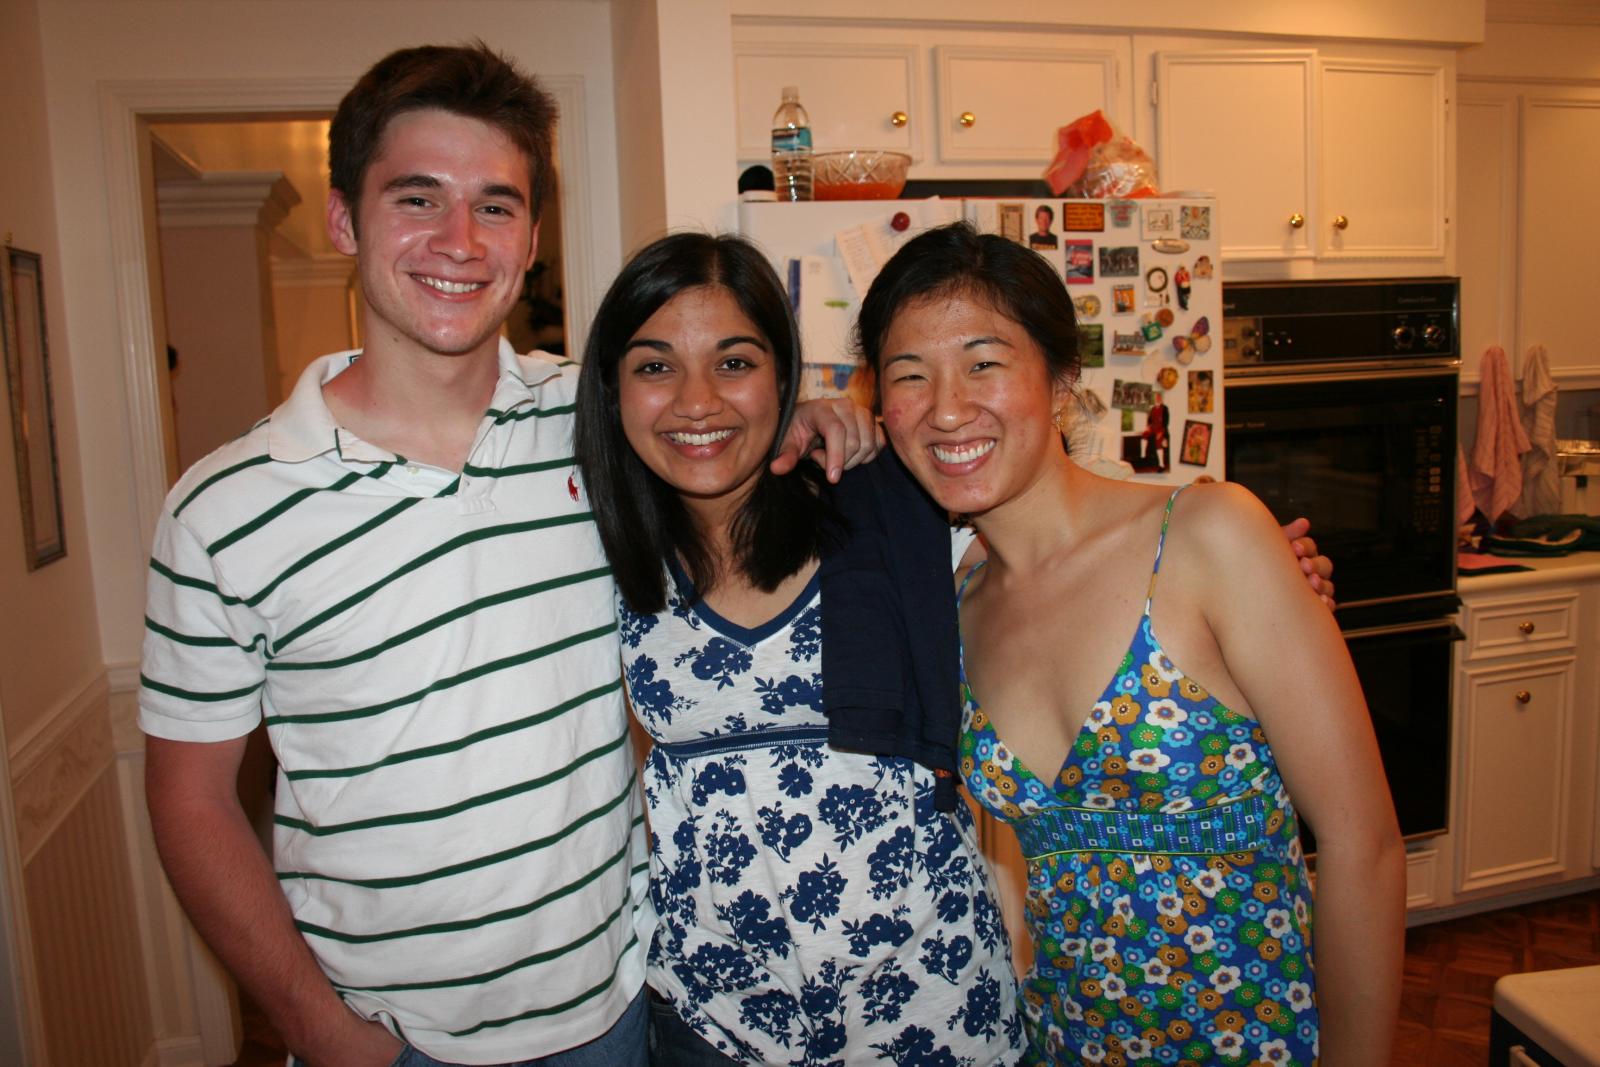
(303, 428)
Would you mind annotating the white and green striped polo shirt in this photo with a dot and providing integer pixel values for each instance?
(458, 830)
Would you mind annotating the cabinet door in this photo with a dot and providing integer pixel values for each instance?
(1383, 160)
(1513, 775)
(1239, 124)
(857, 96)
(1004, 105)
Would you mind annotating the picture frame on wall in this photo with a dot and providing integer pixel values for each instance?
(33, 424)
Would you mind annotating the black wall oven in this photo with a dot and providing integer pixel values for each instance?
(1341, 407)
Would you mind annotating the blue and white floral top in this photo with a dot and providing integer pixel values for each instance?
(813, 907)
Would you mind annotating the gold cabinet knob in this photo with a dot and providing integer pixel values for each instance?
(1296, 221)
(1523, 696)
(1525, 627)
(968, 119)
(899, 119)
(1340, 222)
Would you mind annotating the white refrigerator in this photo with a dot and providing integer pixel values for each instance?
(1145, 281)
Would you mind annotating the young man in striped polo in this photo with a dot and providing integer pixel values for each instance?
(397, 573)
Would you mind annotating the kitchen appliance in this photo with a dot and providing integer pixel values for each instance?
(1342, 408)
(1144, 277)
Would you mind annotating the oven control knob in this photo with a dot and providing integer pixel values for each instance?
(1404, 337)
(1432, 336)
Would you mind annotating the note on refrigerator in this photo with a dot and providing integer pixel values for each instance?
(826, 306)
(866, 248)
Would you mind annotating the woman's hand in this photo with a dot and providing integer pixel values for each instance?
(1317, 569)
(836, 432)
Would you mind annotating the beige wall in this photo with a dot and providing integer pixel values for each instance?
(66, 842)
(220, 319)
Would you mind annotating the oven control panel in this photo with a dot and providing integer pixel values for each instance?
(1267, 323)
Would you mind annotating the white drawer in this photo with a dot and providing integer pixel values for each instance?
(1509, 625)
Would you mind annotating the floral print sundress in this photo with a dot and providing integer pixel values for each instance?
(1167, 895)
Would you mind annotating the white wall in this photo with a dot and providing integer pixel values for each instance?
(87, 43)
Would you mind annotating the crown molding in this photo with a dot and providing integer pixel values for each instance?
(226, 198)
(1563, 12)
(312, 272)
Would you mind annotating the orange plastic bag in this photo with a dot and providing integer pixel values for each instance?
(1094, 160)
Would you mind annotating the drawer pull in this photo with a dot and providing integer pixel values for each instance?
(968, 119)
(1523, 696)
(1525, 628)
(1296, 221)
(899, 119)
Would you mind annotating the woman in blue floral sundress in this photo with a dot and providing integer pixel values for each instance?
(1167, 898)
(811, 905)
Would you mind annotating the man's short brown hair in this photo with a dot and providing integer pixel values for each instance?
(469, 80)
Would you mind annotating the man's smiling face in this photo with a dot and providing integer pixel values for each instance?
(446, 233)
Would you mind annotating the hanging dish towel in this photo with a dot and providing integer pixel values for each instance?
(1541, 480)
(1496, 464)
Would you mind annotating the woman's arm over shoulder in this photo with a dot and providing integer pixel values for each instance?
(1285, 653)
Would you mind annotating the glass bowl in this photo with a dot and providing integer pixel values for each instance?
(858, 174)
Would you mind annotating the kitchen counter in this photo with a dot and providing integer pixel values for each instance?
(1547, 570)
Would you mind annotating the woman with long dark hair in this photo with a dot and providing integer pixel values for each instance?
(813, 905)
(1148, 777)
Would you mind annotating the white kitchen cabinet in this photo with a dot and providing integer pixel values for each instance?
(1315, 157)
(1003, 104)
(1261, 169)
(1525, 741)
(964, 103)
(856, 95)
(1382, 159)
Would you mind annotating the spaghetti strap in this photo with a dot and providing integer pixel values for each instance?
(1161, 544)
(970, 572)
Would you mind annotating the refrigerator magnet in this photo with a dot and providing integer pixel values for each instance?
(1087, 306)
(1092, 345)
(1155, 286)
(1080, 262)
(1180, 282)
(1167, 377)
(1150, 329)
(1010, 220)
(1194, 221)
(1159, 221)
(1127, 344)
(1203, 268)
(1122, 212)
(1086, 216)
(1196, 449)
(1119, 262)
(1172, 246)
(1122, 299)
(1200, 392)
(1132, 396)
(1165, 317)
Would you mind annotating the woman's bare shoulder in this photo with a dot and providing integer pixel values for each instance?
(1230, 524)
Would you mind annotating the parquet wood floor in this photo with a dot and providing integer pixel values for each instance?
(1451, 968)
(1450, 973)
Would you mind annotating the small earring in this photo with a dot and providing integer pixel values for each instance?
(1058, 419)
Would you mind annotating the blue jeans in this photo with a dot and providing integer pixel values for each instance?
(673, 1043)
(624, 1045)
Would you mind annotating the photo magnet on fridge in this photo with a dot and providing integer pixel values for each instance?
(1092, 344)
(1142, 454)
(1159, 221)
(1080, 262)
(1122, 213)
(1127, 344)
(1123, 300)
(1011, 223)
(1133, 396)
(1203, 268)
(1119, 262)
(1200, 392)
(1044, 217)
(1196, 443)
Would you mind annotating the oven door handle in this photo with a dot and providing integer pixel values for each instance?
(1449, 631)
(1240, 377)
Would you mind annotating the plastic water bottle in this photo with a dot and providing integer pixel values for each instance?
(791, 148)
